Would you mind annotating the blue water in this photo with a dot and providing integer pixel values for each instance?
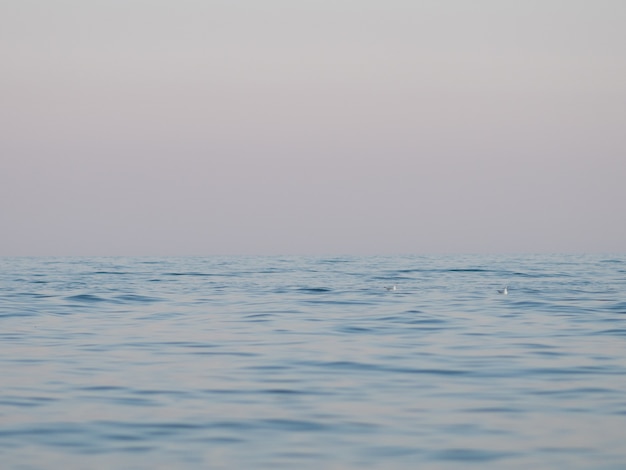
(308, 363)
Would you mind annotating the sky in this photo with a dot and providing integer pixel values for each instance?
(314, 127)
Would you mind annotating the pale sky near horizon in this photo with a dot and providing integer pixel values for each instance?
(190, 127)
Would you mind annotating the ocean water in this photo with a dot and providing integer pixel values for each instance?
(310, 362)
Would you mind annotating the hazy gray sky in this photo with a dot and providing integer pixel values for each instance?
(163, 127)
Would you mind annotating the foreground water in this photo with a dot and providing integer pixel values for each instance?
(293, 362)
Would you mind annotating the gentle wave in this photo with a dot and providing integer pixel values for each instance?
(303, 362)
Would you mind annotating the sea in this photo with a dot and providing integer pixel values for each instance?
(296, 362)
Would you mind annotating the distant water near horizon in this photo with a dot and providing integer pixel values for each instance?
(313, 362)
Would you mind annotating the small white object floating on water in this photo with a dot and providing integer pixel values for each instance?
(504, 291)
(394, 287)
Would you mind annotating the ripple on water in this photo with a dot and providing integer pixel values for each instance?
(299, 362)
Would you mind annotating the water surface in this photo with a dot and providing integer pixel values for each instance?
(302, 362)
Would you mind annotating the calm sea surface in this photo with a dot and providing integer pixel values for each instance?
(310, 363)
